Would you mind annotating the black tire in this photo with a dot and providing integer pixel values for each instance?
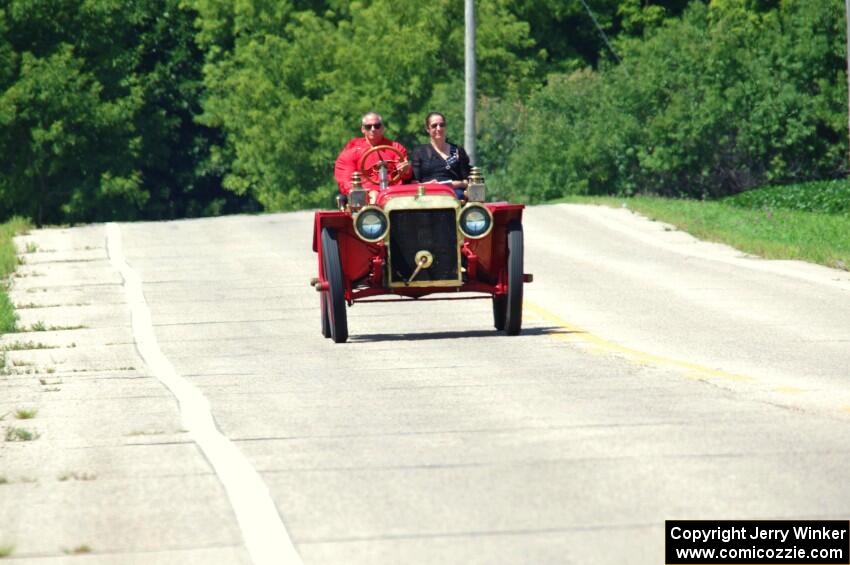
(513, 309)
(500, 307)
(326, 322)
(335, 300)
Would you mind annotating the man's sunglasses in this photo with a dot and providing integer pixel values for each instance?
(438, 125)
(379, 125)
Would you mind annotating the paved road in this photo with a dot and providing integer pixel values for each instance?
(657, 377)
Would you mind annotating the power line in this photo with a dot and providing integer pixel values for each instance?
(601, 31)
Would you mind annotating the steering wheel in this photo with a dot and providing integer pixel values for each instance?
(372, 173)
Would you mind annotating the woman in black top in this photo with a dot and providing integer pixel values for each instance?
(441, 161)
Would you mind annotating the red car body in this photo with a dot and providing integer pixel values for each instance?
(424, 250)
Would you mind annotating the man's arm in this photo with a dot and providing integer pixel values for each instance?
(343, 169)
(407, 171)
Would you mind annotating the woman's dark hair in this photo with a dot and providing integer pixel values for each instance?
(428, 119)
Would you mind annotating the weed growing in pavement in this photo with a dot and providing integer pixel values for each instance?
(27, 345)
(75, 476)
(146, 433)
(21, 261)
(28, 305)
(6, 550)
(26, 413)
(42, 327)
(64, 328)
(32, 247)
(79, 550)
(3, 480)
(21, 434)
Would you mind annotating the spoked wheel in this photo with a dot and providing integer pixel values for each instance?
(371, 173)
(513, 301)
(334, 299)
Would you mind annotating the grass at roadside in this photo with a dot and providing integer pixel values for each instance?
(771, 233)
(827, 197)
(8, 263)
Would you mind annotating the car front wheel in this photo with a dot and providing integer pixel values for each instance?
(335, 295)
(326, 322)
(500, 306)
(513, 300)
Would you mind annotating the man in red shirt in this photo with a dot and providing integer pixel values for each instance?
(372, 126)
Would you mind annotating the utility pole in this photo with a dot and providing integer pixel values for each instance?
(469, 74)
(847, 22)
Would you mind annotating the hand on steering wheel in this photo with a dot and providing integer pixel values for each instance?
(372, 173)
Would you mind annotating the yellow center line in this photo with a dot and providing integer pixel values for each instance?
(597, 344)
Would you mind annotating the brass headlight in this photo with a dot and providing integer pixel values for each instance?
(476, 221)
(371, 224)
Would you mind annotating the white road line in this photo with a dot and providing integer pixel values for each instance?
(264, 533)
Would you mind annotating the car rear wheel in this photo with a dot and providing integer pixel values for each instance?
(335, 295)
(513, 300)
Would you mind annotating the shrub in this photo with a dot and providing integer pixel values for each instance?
(827, 197)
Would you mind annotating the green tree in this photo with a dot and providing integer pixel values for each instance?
(728, 97)
(175, 152)
(120, 140)
(291, 91)
(8, 62)
(65, 150)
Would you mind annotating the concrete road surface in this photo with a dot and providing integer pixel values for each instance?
(173, 401)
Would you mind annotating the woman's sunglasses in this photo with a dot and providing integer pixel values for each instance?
(437, 125)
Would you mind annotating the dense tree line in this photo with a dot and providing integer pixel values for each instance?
(98, 101)
(729, 96)
(172, 108)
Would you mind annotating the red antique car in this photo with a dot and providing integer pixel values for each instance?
(416, 240)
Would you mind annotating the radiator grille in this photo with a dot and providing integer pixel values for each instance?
(431, 230)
